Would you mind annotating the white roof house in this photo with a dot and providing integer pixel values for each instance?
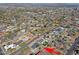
(9, 46)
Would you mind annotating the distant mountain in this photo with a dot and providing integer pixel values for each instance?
(39, 4)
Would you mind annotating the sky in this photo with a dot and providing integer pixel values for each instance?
(39, 1)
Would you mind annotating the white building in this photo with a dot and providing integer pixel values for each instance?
(9, 46)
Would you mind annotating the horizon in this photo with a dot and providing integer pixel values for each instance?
(40, 4)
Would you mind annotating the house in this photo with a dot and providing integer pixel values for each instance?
(35, 45)
(10, 46)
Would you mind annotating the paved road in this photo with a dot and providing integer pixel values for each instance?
(74, 45)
